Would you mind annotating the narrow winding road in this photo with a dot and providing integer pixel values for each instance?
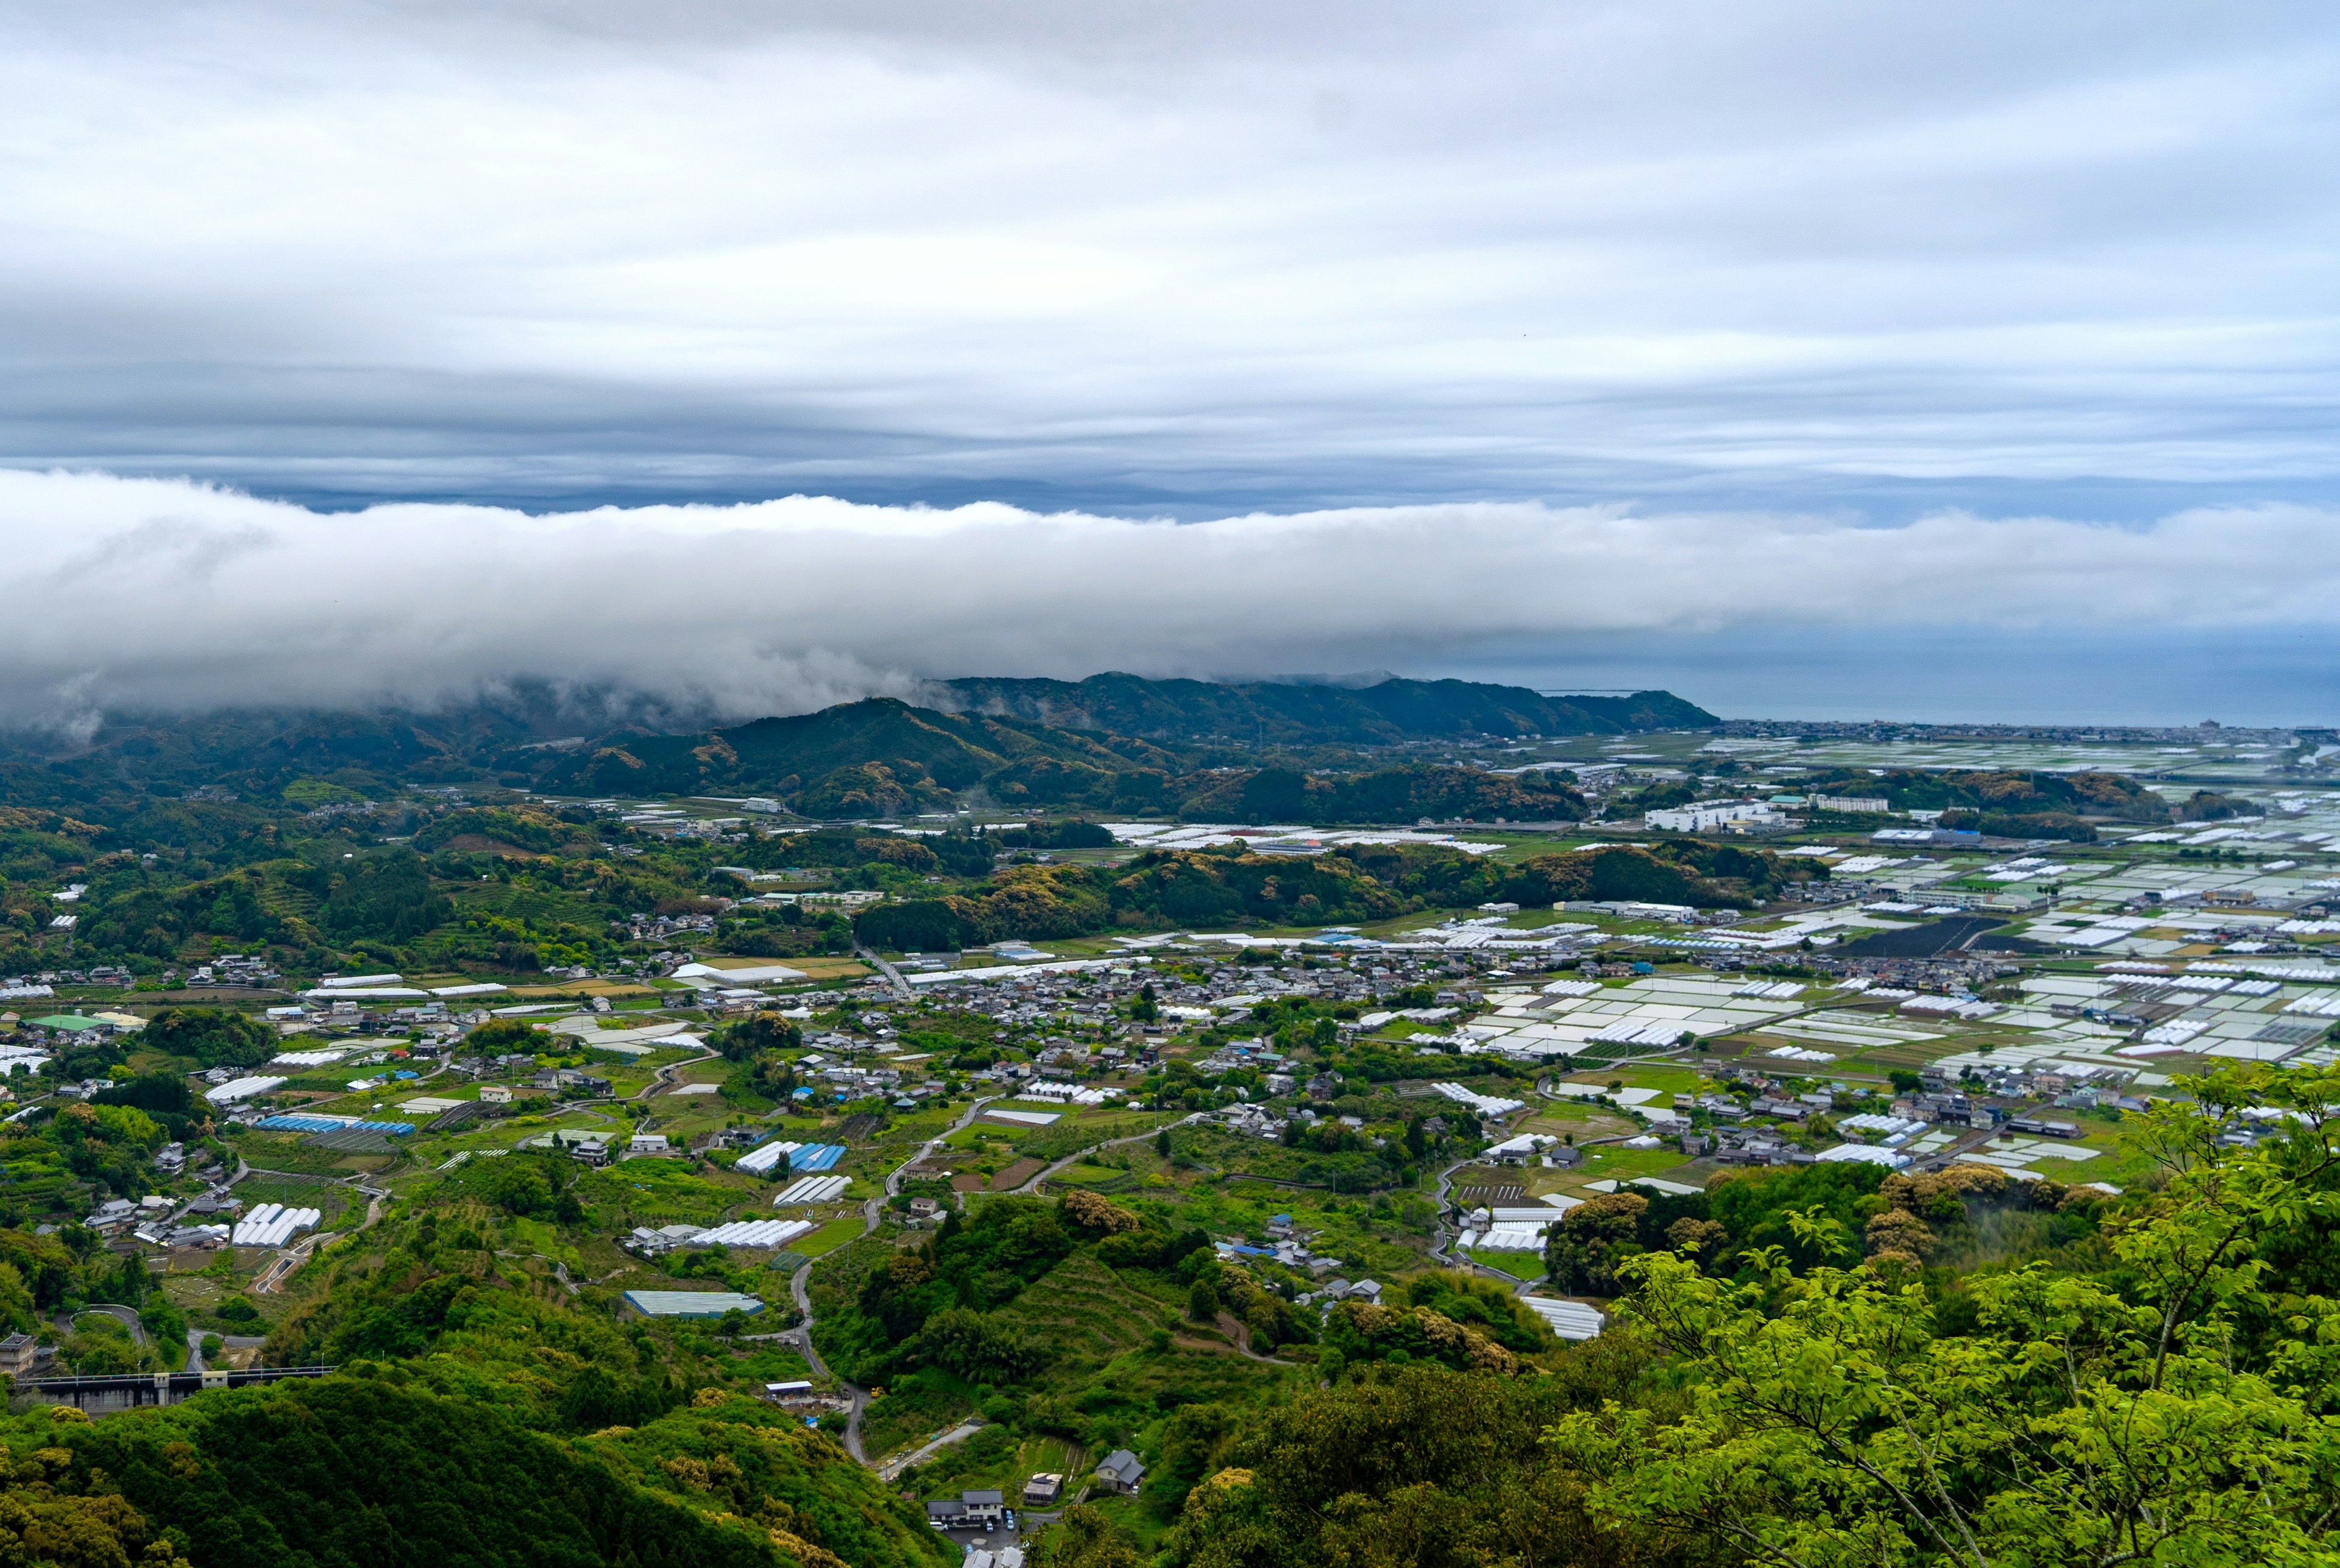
(1078, 1156)
(800, 1283)
(1442, 1248)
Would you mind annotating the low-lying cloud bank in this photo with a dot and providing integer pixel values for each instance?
(152, 594)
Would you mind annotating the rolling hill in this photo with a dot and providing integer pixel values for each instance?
(1189, 713)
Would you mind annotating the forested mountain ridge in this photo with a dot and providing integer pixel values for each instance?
(1088, 743)
(1271, 713)
(877, 755)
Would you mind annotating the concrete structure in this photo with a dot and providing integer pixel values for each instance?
(108, 1395)
(1707, 816)
(17, 1353)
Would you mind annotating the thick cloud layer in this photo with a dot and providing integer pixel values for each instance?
(139, 593)
(1188, 257)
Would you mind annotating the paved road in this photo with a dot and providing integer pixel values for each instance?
(194, 1350)
(800, 1283)
(1236, 1329)
(1441, 1249)
(959, 1434)
(664, 1077)
(893, 975)
(1073, 1159)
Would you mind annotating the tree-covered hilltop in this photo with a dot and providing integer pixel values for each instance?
(1163, 890)
(483, 1415)
(2150, 1380)
(1298, 713)
(535, 735)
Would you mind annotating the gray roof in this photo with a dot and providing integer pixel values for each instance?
(1122, 1465)
(980, 1499)
(690, 1303)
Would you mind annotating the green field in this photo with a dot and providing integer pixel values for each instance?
(828, 1237)
(1527, 1266)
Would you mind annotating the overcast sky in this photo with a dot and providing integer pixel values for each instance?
(1921, 283)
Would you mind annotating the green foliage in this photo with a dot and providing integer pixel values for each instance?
(2020, 825)
(1181, 887)
(744, 1037)
(1404, 794)
(540, 832)
(386, 895)
(1085, 1538)
(1756, 1206)
(213, 1036)
(2001, 793)
(156, 921)
(1418, 1466)
(509, 1036)
(976, 1265)
(54, 1511)
(1281, 714)
(310, 1473)
(2131, 1418)
(521, 1184)
(164, 1095)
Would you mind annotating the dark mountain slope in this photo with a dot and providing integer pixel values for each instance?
(1265, 713)
(919, 749)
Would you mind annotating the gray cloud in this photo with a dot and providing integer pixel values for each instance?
(1128, 256)
(144, 593)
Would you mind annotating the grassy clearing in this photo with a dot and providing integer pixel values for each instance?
(1610, 1163)
(828, 1237)
(1092, 1175)
(1665, 1080)
(827, 969)
(1525, 1266)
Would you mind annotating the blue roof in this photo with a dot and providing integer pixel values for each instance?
(816, 1156)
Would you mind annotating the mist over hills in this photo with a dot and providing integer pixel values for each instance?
(1114, 739)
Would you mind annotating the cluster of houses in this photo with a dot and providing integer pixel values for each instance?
(1119, 1473)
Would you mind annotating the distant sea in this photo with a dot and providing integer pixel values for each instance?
(2261, 677)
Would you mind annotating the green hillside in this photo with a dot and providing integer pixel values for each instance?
(1268, 713)
(922, 753)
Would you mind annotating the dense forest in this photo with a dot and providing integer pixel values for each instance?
(1164, 889)
(2045, 1377)
(1111, 738)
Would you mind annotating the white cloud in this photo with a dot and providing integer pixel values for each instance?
(142, 593)
(1186, 252)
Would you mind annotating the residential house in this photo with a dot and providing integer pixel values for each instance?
(1121, 1472)
(17, 1353)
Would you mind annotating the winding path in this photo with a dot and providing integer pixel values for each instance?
(959, 1434)
(125, 1315)
(1079, 1154)
(1443, 1251)
(800, 1283)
